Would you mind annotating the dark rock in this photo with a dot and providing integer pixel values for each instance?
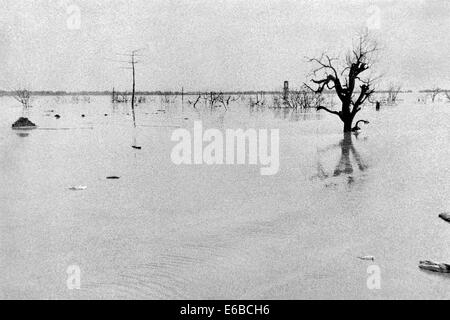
(434, 266)
(23, 123)
(445, 216)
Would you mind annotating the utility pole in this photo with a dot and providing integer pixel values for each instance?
(133, 63)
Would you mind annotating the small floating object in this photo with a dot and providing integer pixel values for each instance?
(434, 266)
(57, 116)
(445, 216)
(83, 116)
(367, 258)
(78, 188)
(136, 147)
(106, 114)
(113, 178)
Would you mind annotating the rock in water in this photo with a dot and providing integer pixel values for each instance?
(445, 216)
(23, 123)
(434, 266)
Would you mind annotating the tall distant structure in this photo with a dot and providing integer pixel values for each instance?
(286, 90)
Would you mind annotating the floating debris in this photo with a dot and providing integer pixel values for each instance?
(367, 258)
(78, 188)
(23, 123)
(57, 116)
(434, 266)
(113, 178)
(83, 115)
(445, 216)
(136, 147)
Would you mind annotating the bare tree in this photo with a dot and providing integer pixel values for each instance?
(303, 99)
(226, 100)
(24, 97)
(194, 102)
(447, 94)
(434, 92)
(212, 99)
(393, 91)
(259, 100)
(344, 79)
(217, 99)
(167, 98)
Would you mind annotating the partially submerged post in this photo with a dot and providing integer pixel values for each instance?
(182, 99)
(286, 90)
(133, 62)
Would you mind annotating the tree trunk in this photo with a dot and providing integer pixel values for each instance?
(348, 124)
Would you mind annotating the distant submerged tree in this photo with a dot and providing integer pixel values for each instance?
(434, 93)
(349, 78)
(24, 97)
(393, 91)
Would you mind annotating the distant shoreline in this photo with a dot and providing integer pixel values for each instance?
(170, 93)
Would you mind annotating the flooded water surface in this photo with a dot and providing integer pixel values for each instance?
(164, 231)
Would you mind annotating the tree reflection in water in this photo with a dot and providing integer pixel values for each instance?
(345, 165)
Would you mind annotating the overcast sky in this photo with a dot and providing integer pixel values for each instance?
(217, 45)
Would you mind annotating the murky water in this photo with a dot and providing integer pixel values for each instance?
(165, 231)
